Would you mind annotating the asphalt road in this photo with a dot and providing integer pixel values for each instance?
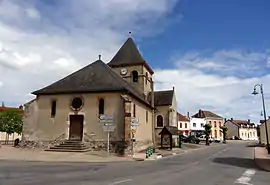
(216, 165)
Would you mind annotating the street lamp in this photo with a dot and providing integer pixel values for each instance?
(265, 121)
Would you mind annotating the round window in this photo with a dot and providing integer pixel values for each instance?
(77, 103)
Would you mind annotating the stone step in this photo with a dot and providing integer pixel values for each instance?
(73, 142)
(71, 145)
(68, 150)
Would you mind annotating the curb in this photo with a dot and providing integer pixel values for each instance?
(261, 163)
(162, 156)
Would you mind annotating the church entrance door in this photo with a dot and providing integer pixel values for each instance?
(76, 127)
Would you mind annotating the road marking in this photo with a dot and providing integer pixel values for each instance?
(246, 177)
(122, 181)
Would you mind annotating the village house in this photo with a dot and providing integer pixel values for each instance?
(184, 124)
(263, 131)
(208, 117)
(4, 137)
(243, 129)
(123, 90)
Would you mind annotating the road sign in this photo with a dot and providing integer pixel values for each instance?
(133, 127)
(108, 128)
(133, 131)
(106, 121)
(106, 117)
(134, 120)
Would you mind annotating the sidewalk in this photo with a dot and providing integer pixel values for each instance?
(262, 158)
(161, 153)
(19, 154)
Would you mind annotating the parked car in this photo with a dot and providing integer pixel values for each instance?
(203, 138)
(190, 139)
(217, 140)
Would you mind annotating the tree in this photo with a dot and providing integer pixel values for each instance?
(224, 130)
(207, 131)
(11, 121)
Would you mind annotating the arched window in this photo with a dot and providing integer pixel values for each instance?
(101, 106)
(135, 76)
(159, 121)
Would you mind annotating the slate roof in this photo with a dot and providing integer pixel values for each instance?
(96, 77)
(128, 55)
(162, 98)
(170, 129)
(238, 123)
(182, 117)
(206, 114)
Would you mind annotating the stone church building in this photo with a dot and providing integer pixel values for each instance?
(70, 108)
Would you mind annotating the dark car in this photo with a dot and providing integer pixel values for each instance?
(190, 139)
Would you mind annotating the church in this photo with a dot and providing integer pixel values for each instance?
(121, 90)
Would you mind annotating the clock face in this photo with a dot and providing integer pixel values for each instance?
(123, 71)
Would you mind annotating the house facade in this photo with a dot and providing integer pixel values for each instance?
(183, 124)
(263, 131)
(213, 119)
(197, 125)
(243, 129)
(122, 90)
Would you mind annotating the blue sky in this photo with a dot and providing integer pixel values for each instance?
(213, 25)
(212, 51)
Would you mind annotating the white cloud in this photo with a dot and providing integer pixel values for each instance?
(223, 91)
(40, 43)
(32, 13)
(242, 63)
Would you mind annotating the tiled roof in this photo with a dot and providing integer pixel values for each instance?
(241, 122)
(182, 117)
(127, 55)
(163, 97)
(3, 109)
(206, 114)
(96, 77)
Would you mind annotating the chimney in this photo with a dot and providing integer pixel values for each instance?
(187, 114)
(248, 121)
(200, 113)
(225, 120)
(231, 119)
(173, 88)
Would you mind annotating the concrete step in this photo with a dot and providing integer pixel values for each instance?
(70, 145)
(67, 150)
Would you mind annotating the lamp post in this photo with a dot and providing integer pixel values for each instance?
(265, 121)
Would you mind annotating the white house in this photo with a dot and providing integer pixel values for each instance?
(183, 124)
(197, 125)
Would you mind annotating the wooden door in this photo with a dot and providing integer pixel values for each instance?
(76, 127)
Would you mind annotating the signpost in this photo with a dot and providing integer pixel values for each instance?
(133, 126)
(108, 126)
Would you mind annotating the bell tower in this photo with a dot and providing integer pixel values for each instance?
(129, 63)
